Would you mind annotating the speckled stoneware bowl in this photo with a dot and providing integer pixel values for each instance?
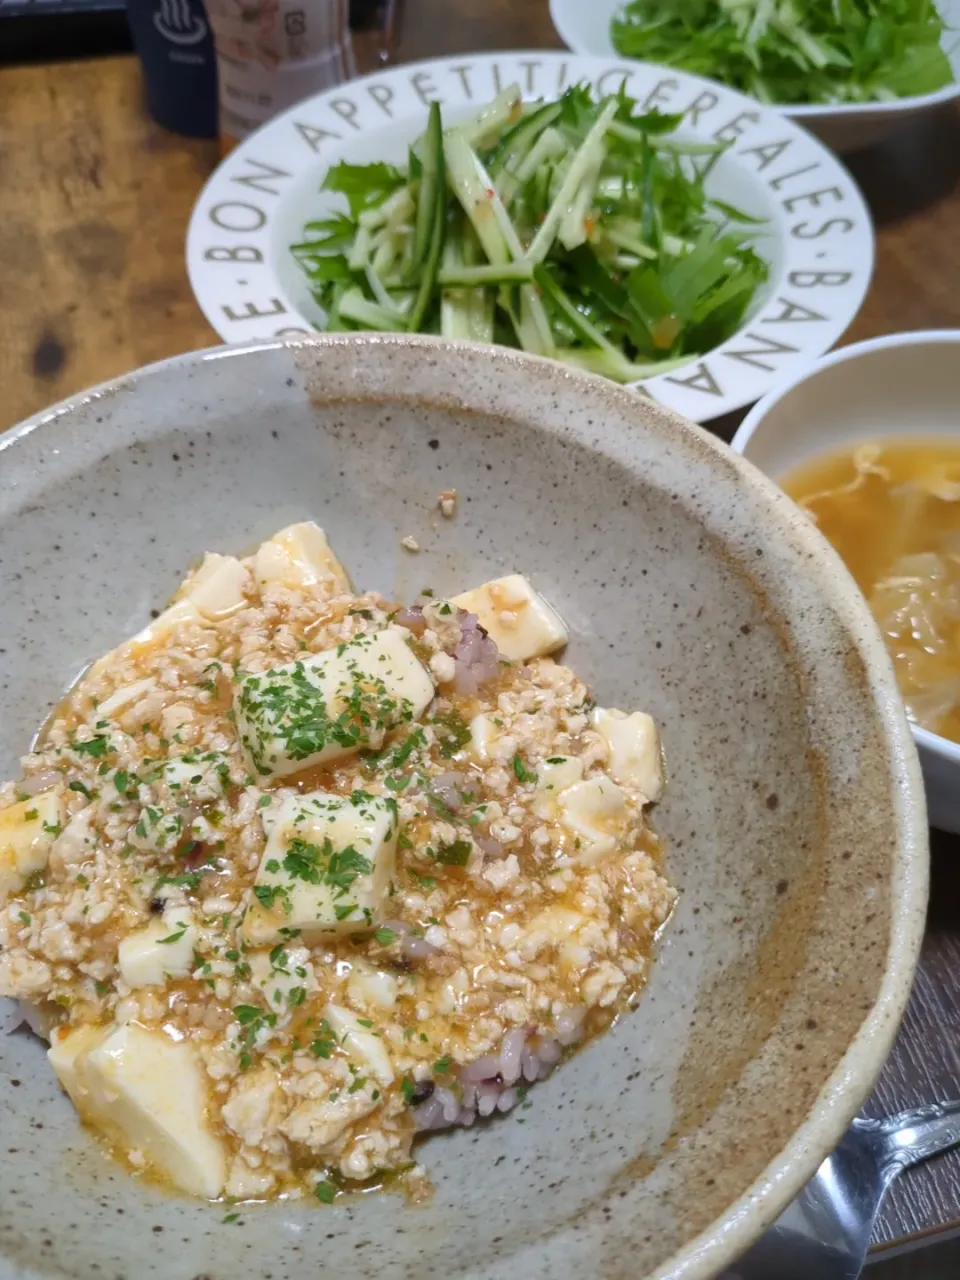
(794, 814)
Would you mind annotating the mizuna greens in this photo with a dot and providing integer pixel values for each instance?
(575, 229)
(794, 51)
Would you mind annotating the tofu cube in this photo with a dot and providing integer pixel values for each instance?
(517, 619)
(216, 589)
(554, 776)
(326, 870)
(483, 734)
(176, 615)
(298, 557)
(595, 814)
(306, 713)
(360, 1043)
(148, 1094)
(126, 696)
(68, 1048)
(162, 949)
(179, 614)
(635, 758)
(27, 832)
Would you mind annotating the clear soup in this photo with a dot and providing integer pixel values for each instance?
(892, 510)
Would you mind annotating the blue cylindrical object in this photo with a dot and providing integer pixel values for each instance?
(175, 45)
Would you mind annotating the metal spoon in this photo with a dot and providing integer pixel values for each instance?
(825, 1233)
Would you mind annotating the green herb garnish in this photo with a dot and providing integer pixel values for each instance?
(453, 733)
(324, 1045)
(174, 937)
(267, 894)
(188, 879)
(456, 854)
(126, 783)
(289, 705)
(522, 773)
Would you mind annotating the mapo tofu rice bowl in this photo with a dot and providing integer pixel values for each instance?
(299, 873)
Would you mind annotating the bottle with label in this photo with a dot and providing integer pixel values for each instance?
(175, 45)
(274, 53)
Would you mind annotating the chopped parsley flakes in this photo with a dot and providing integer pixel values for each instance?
(453, 733)
(456, 854)
(173, 937)
(291, 711)
(324, 864)
(523, 774)
(324, 1045)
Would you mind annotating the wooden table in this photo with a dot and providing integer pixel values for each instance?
(94, 202)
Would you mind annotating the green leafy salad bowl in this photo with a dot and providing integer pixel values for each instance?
(852, 72)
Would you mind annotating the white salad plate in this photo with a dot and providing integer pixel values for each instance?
(817, 238)
(844, 126)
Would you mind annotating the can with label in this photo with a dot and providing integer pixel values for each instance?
(175, 45)
(274, 53)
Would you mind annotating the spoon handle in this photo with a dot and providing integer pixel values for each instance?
(910, 1137)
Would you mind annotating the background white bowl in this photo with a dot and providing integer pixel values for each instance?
(906, 384)
(585, 28)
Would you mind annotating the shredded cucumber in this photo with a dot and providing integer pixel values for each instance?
(792, 51)
(432, 213)
(576, 229)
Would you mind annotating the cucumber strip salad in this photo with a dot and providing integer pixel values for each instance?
(575, 229)
(793, 51)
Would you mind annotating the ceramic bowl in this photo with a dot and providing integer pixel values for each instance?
(585, 28)
(906, 384)
(794, 815)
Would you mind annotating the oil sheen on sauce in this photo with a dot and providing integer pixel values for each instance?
(891, 508)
